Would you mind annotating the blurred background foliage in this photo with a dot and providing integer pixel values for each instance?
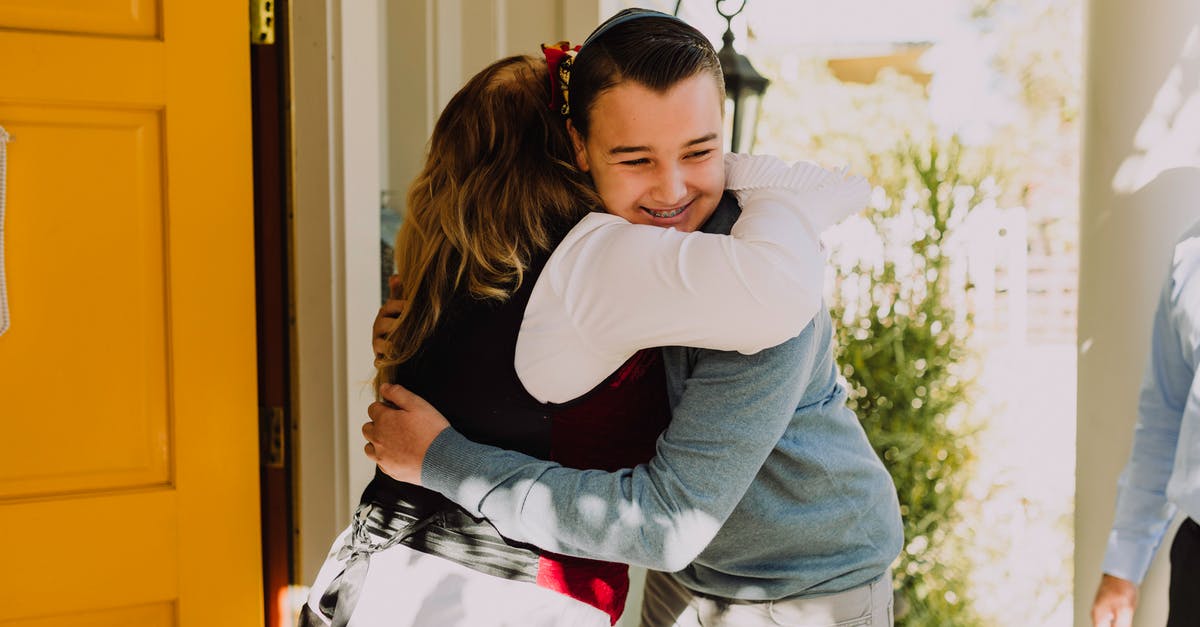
(904, 355)
(987, 120)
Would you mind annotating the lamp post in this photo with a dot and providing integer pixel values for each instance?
(744, 87)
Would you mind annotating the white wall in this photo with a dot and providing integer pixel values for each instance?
(1140, 187)
(336, 185)
(432, 48)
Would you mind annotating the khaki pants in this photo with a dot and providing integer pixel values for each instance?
(668, 604)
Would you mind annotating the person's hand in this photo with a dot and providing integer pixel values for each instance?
(402, 428)
(385, 321)
(1116, 599)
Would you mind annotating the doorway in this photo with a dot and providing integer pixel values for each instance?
(270, 88)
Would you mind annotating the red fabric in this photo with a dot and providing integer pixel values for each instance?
(617, 425)
(603, 585)
(555, 53)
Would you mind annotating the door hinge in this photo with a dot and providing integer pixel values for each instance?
(274, 433)
(262, 22)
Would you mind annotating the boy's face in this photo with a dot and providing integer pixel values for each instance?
(656, 158)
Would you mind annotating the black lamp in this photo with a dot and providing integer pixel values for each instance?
(744, 86)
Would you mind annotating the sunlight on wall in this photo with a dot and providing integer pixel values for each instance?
(297, 596)
(1169, 136)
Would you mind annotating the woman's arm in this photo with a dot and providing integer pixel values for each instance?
(612, 288)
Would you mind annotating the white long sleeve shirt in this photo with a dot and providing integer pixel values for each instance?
(612, 288)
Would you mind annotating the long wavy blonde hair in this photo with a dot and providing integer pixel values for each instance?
(498, 182)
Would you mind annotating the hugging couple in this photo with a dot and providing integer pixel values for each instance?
(607, 346)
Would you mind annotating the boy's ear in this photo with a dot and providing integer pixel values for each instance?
(580, 147)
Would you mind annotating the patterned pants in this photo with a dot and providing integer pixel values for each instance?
(403, 587)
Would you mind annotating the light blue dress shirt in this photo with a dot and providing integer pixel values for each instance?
(1163, 473)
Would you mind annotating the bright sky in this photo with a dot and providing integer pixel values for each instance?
(834, 21)
(965, 97)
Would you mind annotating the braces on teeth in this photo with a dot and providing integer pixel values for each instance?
(666, 214)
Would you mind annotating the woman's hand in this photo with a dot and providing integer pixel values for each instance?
(403, 426)
(385, 321)
(1116, 599)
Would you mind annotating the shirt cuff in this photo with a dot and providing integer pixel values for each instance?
(747, 172)
(1127, 559)
(449, 465)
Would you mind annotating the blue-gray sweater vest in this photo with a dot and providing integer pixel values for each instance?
(764, 485)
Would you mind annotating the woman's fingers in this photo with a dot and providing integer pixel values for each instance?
(399, 396)
(385, 322)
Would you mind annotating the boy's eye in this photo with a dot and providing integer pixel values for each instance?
(641, 161)
(698, 153)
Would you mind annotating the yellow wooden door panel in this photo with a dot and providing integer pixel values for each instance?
(128, 416)
(75, 556)
(94, 177)
(161, 614)
(137, 18)
(55, 69)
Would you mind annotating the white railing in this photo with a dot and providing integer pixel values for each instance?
(1014, 296)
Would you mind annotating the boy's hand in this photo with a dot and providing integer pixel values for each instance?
(402, 428)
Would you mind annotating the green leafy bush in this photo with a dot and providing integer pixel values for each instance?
(904, 355)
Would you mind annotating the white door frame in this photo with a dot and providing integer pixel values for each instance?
(336, 186)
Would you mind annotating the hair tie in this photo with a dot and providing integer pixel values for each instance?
(559, 57)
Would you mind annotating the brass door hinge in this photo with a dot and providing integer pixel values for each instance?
(262, 22)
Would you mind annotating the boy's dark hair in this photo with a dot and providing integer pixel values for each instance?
(652, 49)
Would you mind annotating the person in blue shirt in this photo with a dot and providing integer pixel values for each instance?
(1162, 477)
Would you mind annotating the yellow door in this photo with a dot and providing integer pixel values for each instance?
(128, 447)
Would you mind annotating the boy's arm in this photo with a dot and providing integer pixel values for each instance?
(661, 514)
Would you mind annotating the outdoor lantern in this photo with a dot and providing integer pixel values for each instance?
(744, 88)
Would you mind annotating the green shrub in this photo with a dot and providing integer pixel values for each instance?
(904, 356)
